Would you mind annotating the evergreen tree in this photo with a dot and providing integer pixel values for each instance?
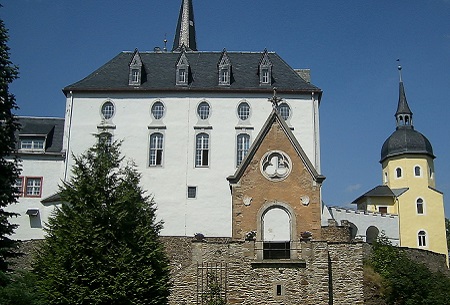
(102, 244)
(9, 170)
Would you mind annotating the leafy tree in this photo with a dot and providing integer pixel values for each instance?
(20, 290)
(102, 245)
(406, 281)
(213, 294)
(9, 170)
(447, 231)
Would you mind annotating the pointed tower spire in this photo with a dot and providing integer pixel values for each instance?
(404, 114)
(185, 34)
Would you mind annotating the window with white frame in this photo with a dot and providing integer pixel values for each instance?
(107, 110)
(417, 171)
(158, 110)
(420, 206)
(243, 111)
(285, 111)
(242, 145)
(33, 187)
(202, 150)
(18, 185)
(106, 137)
(265, 78)
(422, 238)
(182, 76)
(32, 143)
(156, 149)
(135, 75)
(203, 110)
(224, 78)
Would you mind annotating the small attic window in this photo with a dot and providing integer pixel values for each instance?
(135, 70)
(32, 143)
(265, 70)
(224, 69)
(182, 74)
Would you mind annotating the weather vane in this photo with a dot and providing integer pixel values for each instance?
(275, 99)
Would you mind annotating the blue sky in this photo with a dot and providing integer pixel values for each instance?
(350, 46)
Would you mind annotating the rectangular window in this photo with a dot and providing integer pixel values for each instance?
(382, 210)
(279, 290)
(277, 250)
(156, 149)
(265, 76)
(224, 76)
(19, 186)
(192, 192)
(135, 75)
(32, 144)
(33, 187)
(202, 150)
(182, 76)
(242, 145)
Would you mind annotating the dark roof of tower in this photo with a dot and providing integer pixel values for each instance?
(159, 74)
(406, 141)
(402, 107)
(185, 33)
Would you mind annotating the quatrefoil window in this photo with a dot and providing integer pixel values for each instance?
(276, 165)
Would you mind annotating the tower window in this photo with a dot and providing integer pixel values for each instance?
(420, 206)
(422, 238)
(398, 172)
(417, 171)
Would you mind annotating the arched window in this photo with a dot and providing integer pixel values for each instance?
(417, 171)
(420, 206)
(156, 149)
(276, 234)
(242, 145)
(202, 150)
(107, 137)
(353, 230)
(422, 238)
(107, 110)
(243, 111)
(285, 111)
(372, 234)
(398, 172)
(386, 178)
(203, 110)
(158, 110)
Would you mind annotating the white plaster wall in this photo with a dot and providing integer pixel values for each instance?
(386, 223)
(210, 212)
(50, 169)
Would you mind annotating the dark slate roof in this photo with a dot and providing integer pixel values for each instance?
(402, 107)
(406, 140)
(160, 71)
(378, 191)
(52, 128)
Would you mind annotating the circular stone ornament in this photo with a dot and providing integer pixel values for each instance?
(304, 200)
(276, 165)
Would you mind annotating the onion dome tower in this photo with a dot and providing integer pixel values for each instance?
(408, 171)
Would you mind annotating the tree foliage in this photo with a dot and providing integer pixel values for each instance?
(9, 170)
(102, 245)
(213, 293)
(406, 281)
(20, 289)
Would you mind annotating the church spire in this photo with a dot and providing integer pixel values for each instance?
(185, 34)
(403, 115)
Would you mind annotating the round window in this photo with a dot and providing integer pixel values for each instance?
(243, 111)
(107, 110)
(158, 110)
(203, 110)
(285, 111)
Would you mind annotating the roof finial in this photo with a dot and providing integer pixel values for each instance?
(165, 42)
(275, 99)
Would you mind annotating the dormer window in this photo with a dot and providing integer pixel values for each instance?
(182, 77)
(32, 143)
(135, 74)
(224, 69)
(265, 69)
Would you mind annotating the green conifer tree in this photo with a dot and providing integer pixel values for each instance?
(9, 170)
(102, 244)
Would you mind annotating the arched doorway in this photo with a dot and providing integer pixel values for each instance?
(372, 234)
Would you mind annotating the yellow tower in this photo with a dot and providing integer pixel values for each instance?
(407, 164)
